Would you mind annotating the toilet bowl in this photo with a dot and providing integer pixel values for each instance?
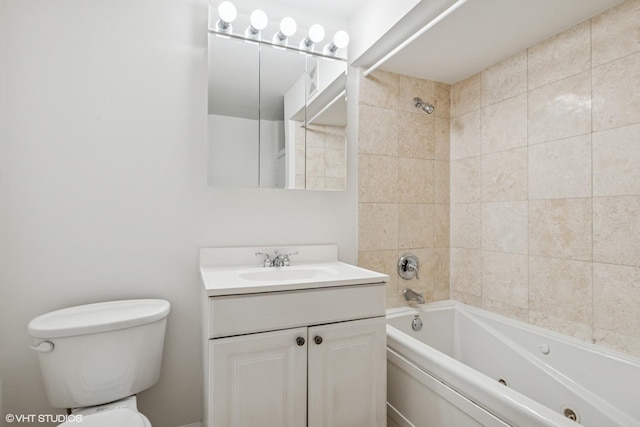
(95, 358)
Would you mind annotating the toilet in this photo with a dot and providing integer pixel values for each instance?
(94, 358)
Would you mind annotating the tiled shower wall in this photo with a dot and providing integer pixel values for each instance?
(403, 174)
(545, 183)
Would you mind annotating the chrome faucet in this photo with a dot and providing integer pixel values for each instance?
(280, 260)
(267, 259)
(411, 295)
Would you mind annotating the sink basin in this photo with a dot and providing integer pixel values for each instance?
(284, 274)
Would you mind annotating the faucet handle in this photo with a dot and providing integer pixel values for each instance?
(286, 260)
(267, 258)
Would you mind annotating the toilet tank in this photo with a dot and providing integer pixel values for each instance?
(101, 352)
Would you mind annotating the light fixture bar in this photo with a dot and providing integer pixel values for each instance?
(275, 45)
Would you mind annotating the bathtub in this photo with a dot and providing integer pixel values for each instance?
(469, 367)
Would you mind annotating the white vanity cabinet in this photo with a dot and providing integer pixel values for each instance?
(274, 379)
(309, 353)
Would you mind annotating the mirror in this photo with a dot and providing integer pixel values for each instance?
(276, 117)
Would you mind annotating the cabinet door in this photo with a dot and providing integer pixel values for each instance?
(259, 380)
(347, 374)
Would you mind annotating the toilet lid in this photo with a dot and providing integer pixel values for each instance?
(122, 417)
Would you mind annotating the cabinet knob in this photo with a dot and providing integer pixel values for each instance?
(300, 341)
(318, 340)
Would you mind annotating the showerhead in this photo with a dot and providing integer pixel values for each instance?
(426, 107)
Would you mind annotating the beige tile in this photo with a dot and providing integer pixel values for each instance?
(561, 56)
(504, 309)
(465, 298)
(333, 183)
(441, 218)
(561, 109)
(442, 101)
(619, 342)
(616, 298)
(415, 227)
(380, 89)
(335, 163)
(504, 176)
(505, 278)
(561, 288)
(504, 227)
(315, 182)
(505, 79)
(504, 125)
(616, 227)
(383, 262)
(465, 181)
(441, 274)
(378, 131)
(560, 169)
(378, 226)
(616, 98)
(315, 137)
(300, 159)
(441, 135)
(466, 225)
(377, 178)
(411, 87)
(415, 180)
(616, 162)
(560, 228)
(616, 32)
(466, 265)
(441, 295)
(396, 301)
(336, 138)
(315, 161)
(441, 181)
(582, 331)
(466, 135)
(466, 96)
(416, 135)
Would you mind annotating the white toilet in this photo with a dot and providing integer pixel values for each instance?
(94, 358)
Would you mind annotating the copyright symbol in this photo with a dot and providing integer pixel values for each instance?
(10, 418)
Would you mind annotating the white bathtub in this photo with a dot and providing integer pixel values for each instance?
(447, 373)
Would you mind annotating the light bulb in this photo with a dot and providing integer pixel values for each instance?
(316, 33)
(288, 26)
(227, 11)
(341, 39)
(259, 19)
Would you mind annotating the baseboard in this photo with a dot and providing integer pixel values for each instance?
(192, 425)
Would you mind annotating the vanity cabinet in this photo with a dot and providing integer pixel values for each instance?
(313, 357)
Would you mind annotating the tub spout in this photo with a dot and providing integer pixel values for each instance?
(411, 295)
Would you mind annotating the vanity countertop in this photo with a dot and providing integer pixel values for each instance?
(236, 271)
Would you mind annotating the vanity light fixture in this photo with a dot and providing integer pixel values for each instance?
(227, 13)
(288, 28)
(316, 35)
(340, 40)
(259, 22)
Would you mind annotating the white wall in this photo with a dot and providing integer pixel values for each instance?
(3, 168)
(103, 183)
